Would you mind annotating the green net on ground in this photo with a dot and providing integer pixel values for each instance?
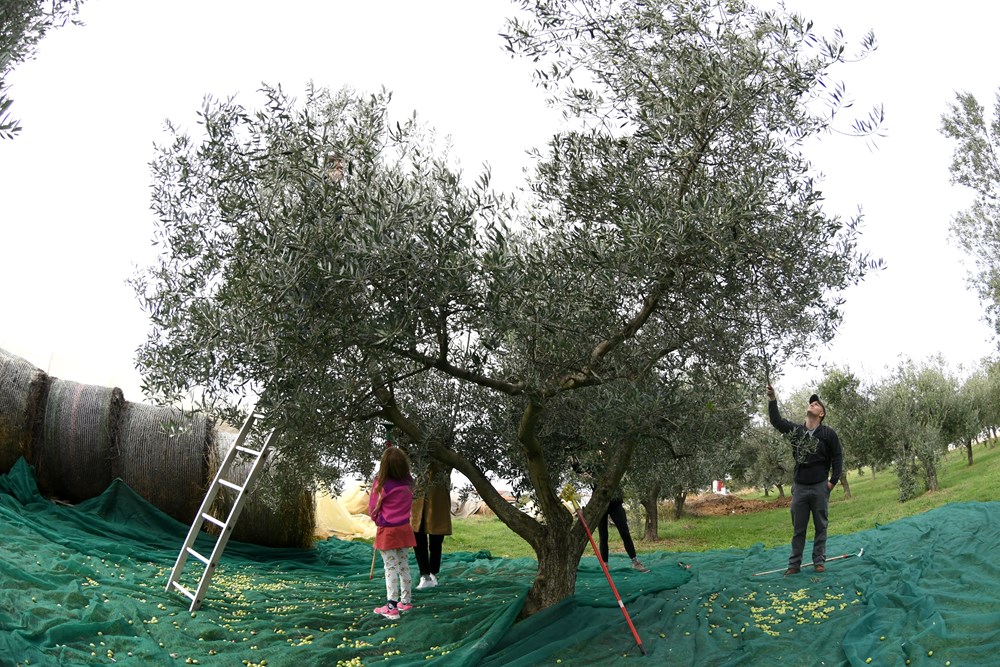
(84, 585)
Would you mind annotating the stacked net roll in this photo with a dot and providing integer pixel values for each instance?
(78, 455)
(274, 516)
(22, 391)
(164, 457)
(80, 437)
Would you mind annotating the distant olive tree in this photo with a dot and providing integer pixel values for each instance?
(991, 412)
(767, 459)
(970, 413)
(696, 442)
(916, 404)
(849, 405)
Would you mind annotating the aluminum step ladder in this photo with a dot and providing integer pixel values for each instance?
(239, 452)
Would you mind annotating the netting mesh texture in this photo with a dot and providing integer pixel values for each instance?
(84, 585)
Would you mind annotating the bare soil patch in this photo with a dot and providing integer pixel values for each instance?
(711, 504)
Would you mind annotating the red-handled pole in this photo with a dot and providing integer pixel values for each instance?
(569, 493)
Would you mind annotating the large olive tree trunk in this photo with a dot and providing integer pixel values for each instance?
(558, 542)
(558, 552)
(559, 538)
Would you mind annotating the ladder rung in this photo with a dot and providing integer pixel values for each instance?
(183, 590)
(197, 555)
(226, 482)
(238, 446)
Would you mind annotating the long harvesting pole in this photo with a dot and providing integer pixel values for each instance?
(570, 493)
(828, 560)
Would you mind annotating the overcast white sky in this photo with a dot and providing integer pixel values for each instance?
(74, 208)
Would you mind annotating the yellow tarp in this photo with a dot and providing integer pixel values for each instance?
(345, 516)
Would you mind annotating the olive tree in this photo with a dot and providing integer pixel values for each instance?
(331, 259)
(767, 459)
(976, 165)
(23, 24)
(970, 407)
(991, 411)
(916, 406)
(701, 423)
(848, 403)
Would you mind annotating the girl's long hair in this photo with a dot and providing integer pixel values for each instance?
(395, 465)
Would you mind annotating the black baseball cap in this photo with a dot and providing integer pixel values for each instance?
(815, 399)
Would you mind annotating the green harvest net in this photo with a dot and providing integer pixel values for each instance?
(84, 585)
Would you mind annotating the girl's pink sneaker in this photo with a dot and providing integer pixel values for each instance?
(388, 611)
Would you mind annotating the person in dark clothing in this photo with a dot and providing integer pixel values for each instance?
(616, 511)
(819, 462)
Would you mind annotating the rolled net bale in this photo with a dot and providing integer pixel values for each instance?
(273, 515)
(78, 454)
(165, 457)
(22, 393)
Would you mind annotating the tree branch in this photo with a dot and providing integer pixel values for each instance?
(522, 524)
(587, 376)
(519, 522)
(552, 508)
(511, 388)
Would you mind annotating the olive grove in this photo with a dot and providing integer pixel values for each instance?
(329, 257)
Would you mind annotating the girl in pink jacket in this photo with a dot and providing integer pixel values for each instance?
(389, 507)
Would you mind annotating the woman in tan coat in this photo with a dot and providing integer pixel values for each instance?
(430, 519)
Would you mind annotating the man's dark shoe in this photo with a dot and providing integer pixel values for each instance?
(820, 568)
(791, 570)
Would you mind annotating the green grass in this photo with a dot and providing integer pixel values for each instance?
(873, 503)
(486, 532)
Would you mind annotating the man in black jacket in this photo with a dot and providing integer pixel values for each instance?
(819, 461)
